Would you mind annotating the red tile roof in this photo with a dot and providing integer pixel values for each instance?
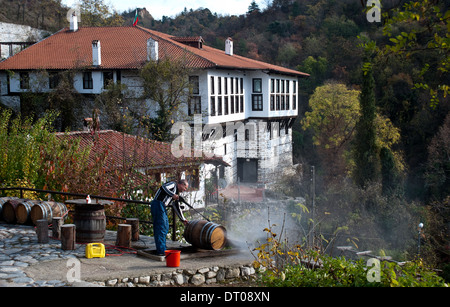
(128, 151)
(124, 48)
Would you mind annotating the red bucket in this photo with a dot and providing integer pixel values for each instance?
(173, 258)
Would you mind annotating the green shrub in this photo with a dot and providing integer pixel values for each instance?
(341, 272)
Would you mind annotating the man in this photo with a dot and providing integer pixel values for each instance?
(167, 195)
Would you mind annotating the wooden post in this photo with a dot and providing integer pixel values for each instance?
(56, 227)
(68, 237)
(42, 231)
(134, 222)
(124, 235)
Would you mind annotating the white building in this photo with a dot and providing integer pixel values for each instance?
(229, 91)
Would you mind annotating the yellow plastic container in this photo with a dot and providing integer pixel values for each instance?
(95, 250)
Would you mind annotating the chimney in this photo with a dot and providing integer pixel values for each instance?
(96, 53)
(229, 46)
(152, 50)
(73, 22)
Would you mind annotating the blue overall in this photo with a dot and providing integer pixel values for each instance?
(160, 225)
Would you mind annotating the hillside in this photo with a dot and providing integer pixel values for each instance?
(43, 14)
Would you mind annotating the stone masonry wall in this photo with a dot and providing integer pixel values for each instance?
(208, 275)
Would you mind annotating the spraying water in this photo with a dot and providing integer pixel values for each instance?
(246, 226)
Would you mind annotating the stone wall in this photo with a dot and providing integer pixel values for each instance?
(207, 276)
(10, 32)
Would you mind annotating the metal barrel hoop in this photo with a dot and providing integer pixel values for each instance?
(209, 233)
(47, 211)
(201, 232)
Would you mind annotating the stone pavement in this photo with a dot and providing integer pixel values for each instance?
(19, 249)
(26, 263)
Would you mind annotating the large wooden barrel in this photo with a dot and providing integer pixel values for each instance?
(9, 209)
(90, 223)
(23, 211)
(3, 200)
(47, 210)
(205, 235)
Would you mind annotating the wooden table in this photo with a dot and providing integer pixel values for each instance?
(89, 220)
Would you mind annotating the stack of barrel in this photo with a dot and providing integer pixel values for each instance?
(26, 211)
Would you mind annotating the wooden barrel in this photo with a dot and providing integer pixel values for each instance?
(205, 235)
(9, 209)
(3, 200)
(90, 223)
(47, 210)
(23, 211)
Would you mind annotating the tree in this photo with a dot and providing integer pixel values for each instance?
(390, 177)
(66, 100)
(19, 148)
(365, 148)
(166, 86)
(116, 106)
(418, 31)
(254, 7)
(317, 68)
(438, 165)
(94, 13)
(334, 112)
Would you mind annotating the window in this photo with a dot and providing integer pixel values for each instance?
(257, 102)
(212, 86)
(226, 106)
(193, 178)
(194, 105)
(24, 80)
(232, 105)
(195, 84)
(219, 106)
(226, 85)
(257, 98)
(119, 76)
(257, 85)
(294, 98)
(53, 80)
(213, 106)
(88, 83)
(195, 101)
(220, 86)
(107, 78)
(280, 94)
